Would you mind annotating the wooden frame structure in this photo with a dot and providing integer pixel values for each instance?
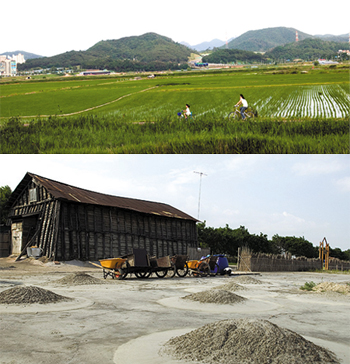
(323, 253)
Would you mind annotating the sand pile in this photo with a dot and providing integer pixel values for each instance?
(76, 279)
(231, 286)
(244, 341)
(218, 296)
(332, 287)
(247, 280)
(30, 294)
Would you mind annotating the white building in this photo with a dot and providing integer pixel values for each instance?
(8, 67)
(19, 58)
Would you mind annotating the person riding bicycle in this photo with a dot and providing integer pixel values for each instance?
(244, 103)
(187, 111)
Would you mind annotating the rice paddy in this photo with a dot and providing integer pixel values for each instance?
(298, 112)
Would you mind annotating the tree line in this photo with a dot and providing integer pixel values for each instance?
(225, 240)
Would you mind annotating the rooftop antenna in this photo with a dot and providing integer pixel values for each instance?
(200, 186)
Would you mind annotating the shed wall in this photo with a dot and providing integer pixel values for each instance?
(92, 232)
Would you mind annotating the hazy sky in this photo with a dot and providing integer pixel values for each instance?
(49, 28)
(289, 195)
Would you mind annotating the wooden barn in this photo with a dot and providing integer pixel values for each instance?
(69, 223)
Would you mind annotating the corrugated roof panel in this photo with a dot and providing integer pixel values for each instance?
(66, 192)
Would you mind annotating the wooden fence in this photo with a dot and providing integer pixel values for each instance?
(260, 262)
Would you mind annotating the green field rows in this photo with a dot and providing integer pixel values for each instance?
(323, 95)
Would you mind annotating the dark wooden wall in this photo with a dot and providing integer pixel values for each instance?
(92, 232)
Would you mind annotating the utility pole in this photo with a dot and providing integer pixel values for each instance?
(200, 186)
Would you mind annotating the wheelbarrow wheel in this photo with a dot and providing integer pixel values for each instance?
(203, 270)
(182, 272)
(105, 274)
(121, 273)
(206, 272)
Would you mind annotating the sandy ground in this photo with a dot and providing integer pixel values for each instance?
(129, 320)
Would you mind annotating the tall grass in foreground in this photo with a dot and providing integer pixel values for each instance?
(104, 134)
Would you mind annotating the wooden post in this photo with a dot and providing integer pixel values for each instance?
(327, 257)
(238, 258)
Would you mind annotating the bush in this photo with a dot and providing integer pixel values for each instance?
(308, 286)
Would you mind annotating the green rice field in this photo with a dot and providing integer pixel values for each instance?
(298, 112)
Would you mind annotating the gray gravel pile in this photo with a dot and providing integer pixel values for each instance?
(246, 341)
(247, 280)
(30, 294)
(217, 296)
(77, 279)
(231, 286)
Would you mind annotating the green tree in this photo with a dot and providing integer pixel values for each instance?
(227, 241)
(347, 254)
(295, 246)
(5, 193)
(337, 253)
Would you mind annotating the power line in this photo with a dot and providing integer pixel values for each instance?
(200, 187)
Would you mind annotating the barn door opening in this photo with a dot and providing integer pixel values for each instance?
(21, 233)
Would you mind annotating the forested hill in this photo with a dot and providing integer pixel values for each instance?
(263, 40)
(146, 48)
(308, 49)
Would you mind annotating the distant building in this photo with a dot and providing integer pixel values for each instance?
(94, 73)
(344, 51)
(324, 61)
(8, 67)
(19, 58)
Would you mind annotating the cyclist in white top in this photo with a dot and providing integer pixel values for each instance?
(187, 112)
(244, 103)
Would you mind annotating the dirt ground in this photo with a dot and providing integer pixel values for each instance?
(109, 321)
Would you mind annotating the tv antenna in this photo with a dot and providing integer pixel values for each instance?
(200, 186)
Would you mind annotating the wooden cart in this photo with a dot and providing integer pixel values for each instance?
(138, 263)
(180, 265)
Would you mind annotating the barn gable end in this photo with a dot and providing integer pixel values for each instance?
(71, 223)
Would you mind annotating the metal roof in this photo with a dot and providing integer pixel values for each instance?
(66, 192)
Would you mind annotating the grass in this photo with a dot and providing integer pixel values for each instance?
(308, 286)
(105, 134)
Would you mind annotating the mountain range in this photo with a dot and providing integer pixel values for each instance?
(263, 40)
